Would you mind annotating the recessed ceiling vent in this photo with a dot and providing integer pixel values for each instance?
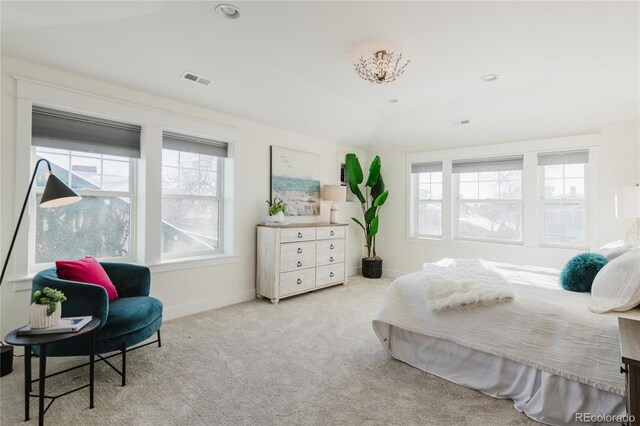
(188, 75)
(463, 122)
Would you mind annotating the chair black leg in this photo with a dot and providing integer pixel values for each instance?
(159, 340)
(124, 364)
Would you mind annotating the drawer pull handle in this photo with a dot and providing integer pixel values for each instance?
(299, 249)
(331, 247)
(331, 274)
(332, 233)
(299, 264)
(331, 259)
(299, 234)
(299, 281)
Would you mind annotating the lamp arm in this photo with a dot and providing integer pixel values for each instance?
(24, 207)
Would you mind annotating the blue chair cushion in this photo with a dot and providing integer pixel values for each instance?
(129, 314)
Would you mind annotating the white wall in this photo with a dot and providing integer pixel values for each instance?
(618, 166)
(189, 290)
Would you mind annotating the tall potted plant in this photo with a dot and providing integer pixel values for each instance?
(371, 201)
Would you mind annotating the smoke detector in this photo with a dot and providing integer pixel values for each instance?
(462, 122)
(190, 76)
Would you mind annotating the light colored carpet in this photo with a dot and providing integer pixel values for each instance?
(310, 360)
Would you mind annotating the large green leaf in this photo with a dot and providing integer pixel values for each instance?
(354, 188)
(378, 188)
(374, 172)
(373, 229)
(380, 199)
(359, 223)
(370, 214)
(354, 171)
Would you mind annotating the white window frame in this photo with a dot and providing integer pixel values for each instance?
(584, 202)
(416, 205)
(219, 198)
(131, 194)
(531, 195)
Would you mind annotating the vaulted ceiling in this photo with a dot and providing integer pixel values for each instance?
(562, 65)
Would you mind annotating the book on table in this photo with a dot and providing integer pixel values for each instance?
(65, 325)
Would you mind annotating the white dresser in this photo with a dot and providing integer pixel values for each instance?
(298, 258)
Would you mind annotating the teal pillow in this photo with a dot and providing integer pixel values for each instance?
(578, 274)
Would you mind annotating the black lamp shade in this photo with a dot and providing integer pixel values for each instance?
(57, 194)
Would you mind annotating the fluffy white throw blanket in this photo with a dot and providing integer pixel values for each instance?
(454, 283)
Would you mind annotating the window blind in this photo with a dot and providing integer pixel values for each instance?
(495, 164)
(65, 130)
(567, 157)
(426, 167)
(195, 145)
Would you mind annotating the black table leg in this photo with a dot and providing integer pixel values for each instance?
(91, 370)
(43, 374)
(27, 380)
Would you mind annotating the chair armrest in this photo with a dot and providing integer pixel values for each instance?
(130, 280)
(82, 299)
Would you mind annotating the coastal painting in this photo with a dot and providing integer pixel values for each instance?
(295, 178)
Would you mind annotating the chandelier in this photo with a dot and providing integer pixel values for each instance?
(384, 67)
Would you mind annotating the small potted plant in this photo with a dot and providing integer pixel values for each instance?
(277, 210)
(46, 309)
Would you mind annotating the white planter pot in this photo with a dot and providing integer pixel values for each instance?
(278, 217)
(38, 316)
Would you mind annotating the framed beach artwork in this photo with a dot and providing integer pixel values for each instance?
(295, 178)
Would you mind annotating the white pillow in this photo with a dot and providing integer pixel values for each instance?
(614, 249)
(617, 285)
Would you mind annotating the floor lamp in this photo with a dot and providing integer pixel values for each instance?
(56, 194)
(628, 205)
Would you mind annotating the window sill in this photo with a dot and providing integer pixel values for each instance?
(488, 244)
(196, 262)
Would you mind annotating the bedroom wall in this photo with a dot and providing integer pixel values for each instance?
(195, 289)
(619, 165)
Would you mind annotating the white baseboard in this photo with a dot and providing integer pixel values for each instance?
(185, 309)
(392, 273)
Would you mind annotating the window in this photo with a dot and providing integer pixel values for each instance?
(192, 195)
(564, 197)
(100, 168)
(428, 203)
(489, 198)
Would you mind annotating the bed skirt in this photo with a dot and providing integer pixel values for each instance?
(542, 396)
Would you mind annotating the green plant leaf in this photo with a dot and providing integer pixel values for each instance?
(380, 199)
(354, 171)
(373, 229)
(359, 223)
(378, 188)
(374, 172)
(356, 190)
(370, 214)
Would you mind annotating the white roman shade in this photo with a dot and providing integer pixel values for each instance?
(426, 167)
(193, 144)
(566, 157)
(65, 130)
(494, 164)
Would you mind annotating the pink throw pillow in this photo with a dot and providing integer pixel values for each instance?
(87, 270)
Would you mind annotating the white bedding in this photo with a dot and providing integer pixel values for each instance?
(544, 327)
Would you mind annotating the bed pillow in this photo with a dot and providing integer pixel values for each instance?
(578, 274)
(617, 285)
(87, 270)
(614, 249)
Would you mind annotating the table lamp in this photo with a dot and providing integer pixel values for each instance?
(337, 194)
(55, 194)
(628, 205)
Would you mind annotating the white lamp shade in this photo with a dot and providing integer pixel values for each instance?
(337, 193)
(628, 202)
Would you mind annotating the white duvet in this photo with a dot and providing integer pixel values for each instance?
(544, 327)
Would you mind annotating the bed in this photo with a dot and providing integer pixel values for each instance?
(544, 349)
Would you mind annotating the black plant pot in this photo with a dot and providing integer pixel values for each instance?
(372, 268)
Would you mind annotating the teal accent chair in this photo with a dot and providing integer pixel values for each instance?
(124, 322)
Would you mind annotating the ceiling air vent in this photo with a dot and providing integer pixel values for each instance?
(460, 122)
(188, 75)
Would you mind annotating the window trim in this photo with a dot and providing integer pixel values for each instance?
(531, 237)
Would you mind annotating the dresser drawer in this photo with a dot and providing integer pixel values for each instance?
(329, 274)
(288, 235)
(330, 251)
(297, 249)
(298, 262)
(297, 281)
(326, 232)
